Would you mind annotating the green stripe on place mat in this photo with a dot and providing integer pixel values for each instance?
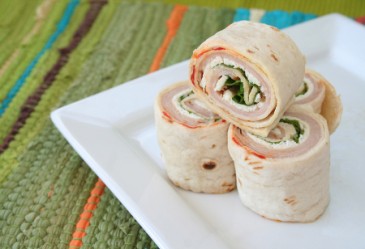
(36, 78)
(100, 71)
(28, 51)
(353, 8)
(125, 52)
(50, 99)
(13, 28)
(40, 200)
(48, 80)
(112, 226)
(132, 37)
(147, 37)
(61, 26)
(198, 24)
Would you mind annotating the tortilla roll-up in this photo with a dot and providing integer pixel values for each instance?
(248, 74)
(284, 176)
(193, 142)
(318, 95)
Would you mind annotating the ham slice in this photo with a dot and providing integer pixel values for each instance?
(311, 93)
(318, 95)
(193, 142)
(248, 73)
(284, 176)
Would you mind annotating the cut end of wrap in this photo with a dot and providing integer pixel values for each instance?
(332, 104)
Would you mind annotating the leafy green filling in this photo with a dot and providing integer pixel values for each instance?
(295, 137)
(244, 92)
(298, 130)
(303, 90)
(238, 88)
(182, 97)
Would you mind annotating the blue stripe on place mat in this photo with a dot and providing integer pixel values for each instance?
(60, 28)
(282, 19)
(241, 14)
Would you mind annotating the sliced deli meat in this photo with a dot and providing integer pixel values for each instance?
(193, 142)
(284, 176)
(318, 95)
(248, 73)
(311, 93)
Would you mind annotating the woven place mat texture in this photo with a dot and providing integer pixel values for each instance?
(59, 52)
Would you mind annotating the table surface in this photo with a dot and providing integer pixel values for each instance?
(53, 53)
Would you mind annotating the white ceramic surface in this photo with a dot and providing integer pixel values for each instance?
(114, 133)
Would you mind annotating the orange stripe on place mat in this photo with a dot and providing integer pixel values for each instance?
(87, 214)
(173, 24)
(75, 243)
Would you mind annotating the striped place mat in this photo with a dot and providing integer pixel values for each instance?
(53, 53)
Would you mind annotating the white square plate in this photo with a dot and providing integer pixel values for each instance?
(114, 133)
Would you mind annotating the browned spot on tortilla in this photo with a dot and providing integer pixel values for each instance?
(268, 45)
(228, 186)
(258, 167)
(213, 146)
(274, 28)
(209, 165)
(256, 48)
(250, 51)
(291, 200)
(187, 179)
(274, 57)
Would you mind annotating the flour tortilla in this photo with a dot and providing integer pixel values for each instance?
(196, 158)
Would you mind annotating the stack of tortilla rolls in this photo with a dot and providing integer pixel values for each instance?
(252, 80)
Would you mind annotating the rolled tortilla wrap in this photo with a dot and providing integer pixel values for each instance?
(284, 176)
(193, 142)
(248, 73)
(318, 94)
